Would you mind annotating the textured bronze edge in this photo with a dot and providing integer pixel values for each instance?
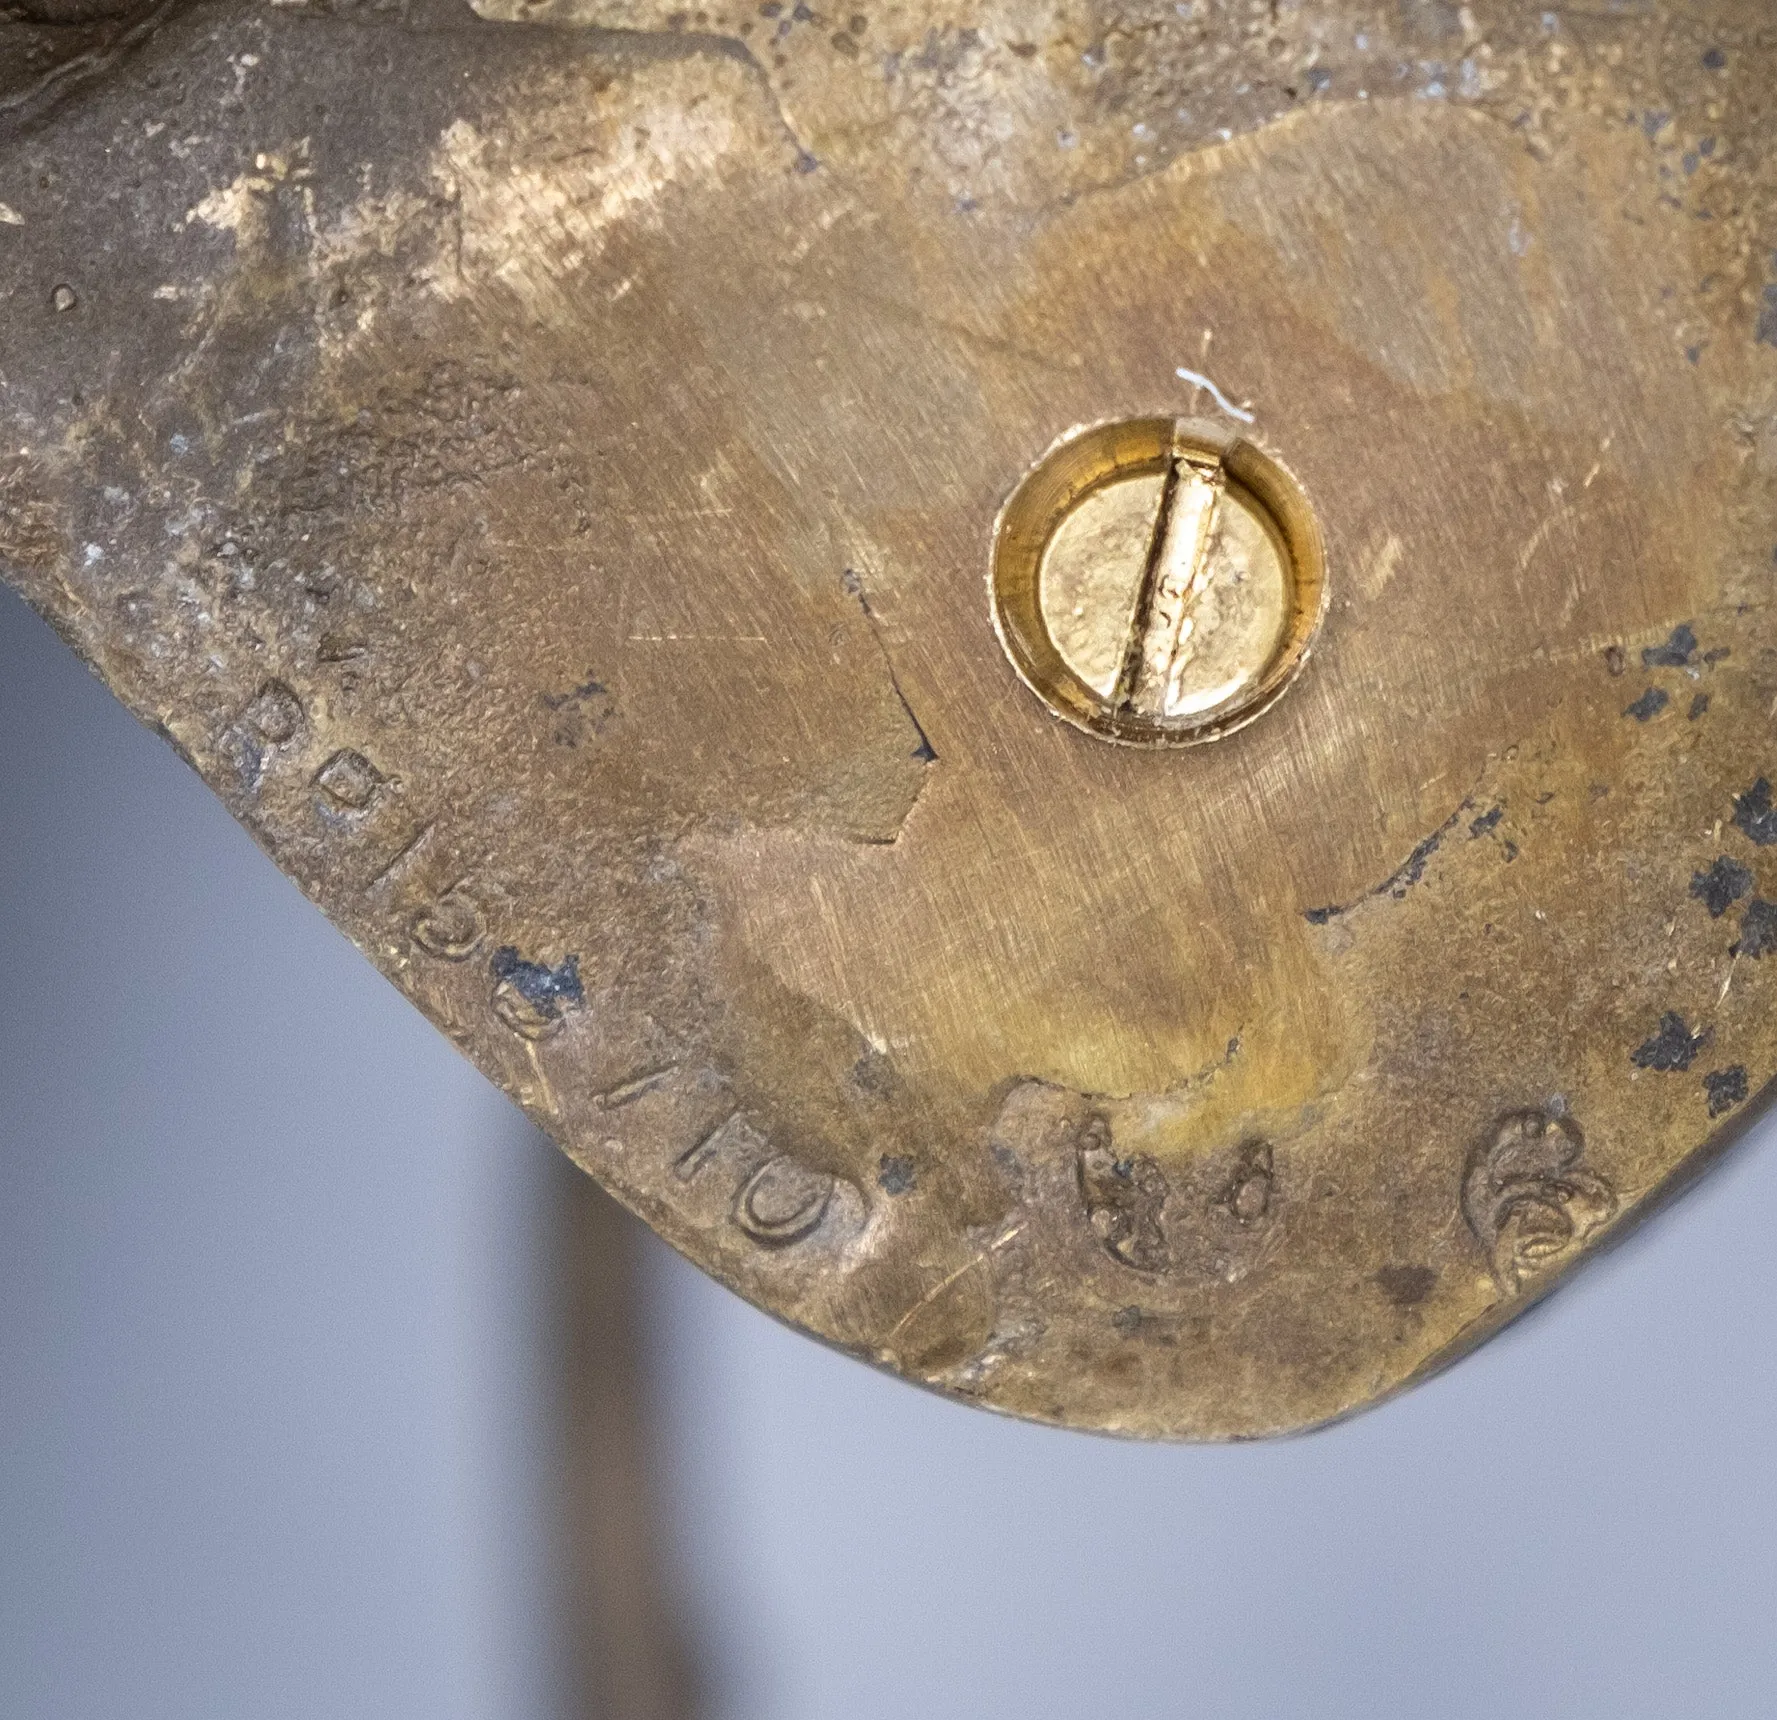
(1621, 637)
(1507, 1311)
(1625, 1227)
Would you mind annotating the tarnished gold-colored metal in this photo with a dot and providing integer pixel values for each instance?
(541, 468)
(1157, 582)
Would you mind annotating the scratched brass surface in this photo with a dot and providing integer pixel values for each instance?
(541, 468)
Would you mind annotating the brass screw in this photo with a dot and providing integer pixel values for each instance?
(1157, 583)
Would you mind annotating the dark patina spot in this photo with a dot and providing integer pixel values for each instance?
(1679, 649)
(1725, 1088)
(1754, 816)
(1722, 885)
(1758, 929)
(536, 982)
(875, 1073)
(1672, 1045)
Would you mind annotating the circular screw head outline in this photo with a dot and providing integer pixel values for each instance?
(1086, 459)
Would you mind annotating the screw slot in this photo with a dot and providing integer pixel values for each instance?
(1156, 581)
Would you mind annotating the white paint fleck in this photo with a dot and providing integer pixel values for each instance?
(1198, 380)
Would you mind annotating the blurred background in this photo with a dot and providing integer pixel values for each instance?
(327, 1388)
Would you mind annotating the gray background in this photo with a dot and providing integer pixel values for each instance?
(275, 1401)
